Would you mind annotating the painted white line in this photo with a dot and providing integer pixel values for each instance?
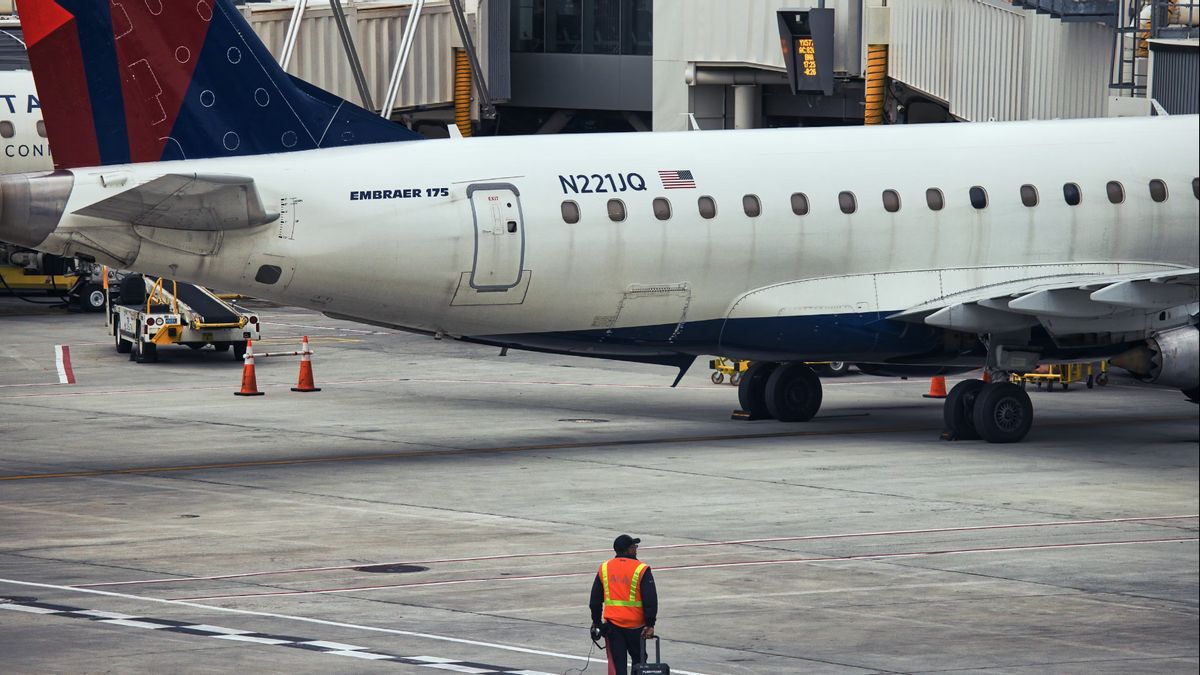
(132, 623)
(216, 629)
(31, 610)
(62, 361)
(363, 655)
(252, 638)
(304, 619)
(338, 646)
(105, 615)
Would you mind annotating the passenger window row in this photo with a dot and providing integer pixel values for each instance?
(935, 199)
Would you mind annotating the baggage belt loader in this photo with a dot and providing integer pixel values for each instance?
(149, 312)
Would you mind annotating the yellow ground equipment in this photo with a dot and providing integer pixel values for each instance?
(728, 368)
(723, 368)
(1064, 375)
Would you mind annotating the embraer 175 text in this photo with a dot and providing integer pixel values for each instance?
(183, 150)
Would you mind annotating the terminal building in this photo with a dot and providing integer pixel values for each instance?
(549, 66)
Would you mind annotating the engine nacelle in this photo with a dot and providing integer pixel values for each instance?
(1169, 359)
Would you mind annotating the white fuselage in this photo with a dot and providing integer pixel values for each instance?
(439, 255)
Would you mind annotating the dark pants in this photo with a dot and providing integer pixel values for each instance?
(623, 643)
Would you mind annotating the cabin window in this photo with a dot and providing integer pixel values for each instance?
(7, 130)
(847, 202)
(1029, 195)
(800, 203)
(751, 205)
(1072, 194)
(41, 128)
(1115, 191)
(1196, 187)
(268, 274)
(616, 210)
(570, 212)
(978, 197)
(662, 208)
(891, 201)
(708, 207)
(1158, 190)
(935, 199)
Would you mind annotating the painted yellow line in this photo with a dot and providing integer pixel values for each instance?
(560, 446)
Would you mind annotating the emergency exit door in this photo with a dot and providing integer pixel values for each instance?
(499, 236)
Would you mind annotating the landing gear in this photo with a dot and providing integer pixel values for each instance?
(793, 393)
(959, 409)
(997, 412)
(788, 392)
(752, 395)
(1003, 413)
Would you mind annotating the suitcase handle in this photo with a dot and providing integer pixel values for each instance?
(657, 650)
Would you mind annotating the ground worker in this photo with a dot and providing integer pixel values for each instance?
(624, 604)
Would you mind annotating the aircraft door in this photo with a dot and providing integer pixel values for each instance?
(499, 236)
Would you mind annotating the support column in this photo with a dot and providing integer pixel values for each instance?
(746, 106)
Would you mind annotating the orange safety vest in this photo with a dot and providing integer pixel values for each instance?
(621, 578)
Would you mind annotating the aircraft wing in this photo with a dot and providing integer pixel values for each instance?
(199, 202)
(1068, 303)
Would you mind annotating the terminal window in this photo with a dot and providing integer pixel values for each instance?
(582, 26)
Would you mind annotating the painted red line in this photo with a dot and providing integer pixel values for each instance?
(66, 357)
(731, 542)
(677, 568)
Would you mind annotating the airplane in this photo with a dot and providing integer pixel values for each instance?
(183, 150)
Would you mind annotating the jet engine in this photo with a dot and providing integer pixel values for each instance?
(1170, 359)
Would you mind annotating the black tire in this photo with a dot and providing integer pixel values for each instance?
(735, 378)
(752, 389)
(91, 298)
(195, 345)
(123, 345)
(793, 393)
(717, 377)
(239, 351)
(146, 352)
(959, 408)
(1003, 413)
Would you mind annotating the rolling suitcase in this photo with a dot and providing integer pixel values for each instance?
(656, 668)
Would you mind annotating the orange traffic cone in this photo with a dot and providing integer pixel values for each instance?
(937, 387)
(249, 383)
(306, 375)
(987, 375)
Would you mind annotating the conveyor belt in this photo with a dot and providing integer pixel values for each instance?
(206, 308)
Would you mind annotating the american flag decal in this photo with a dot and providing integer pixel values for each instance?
(677, 180)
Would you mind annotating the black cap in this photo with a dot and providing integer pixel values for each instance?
(623, 542)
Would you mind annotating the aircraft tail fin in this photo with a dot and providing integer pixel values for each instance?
(125, 81)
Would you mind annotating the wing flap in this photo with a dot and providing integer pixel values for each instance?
(197, 202)
(1062, 303)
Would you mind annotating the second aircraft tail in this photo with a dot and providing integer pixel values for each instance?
(125, 81)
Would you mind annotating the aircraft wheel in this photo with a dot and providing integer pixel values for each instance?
(752, 390)
(959, 409)
(1003, 413)
(793, 393)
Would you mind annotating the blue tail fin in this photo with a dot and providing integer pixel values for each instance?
(149, 80)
